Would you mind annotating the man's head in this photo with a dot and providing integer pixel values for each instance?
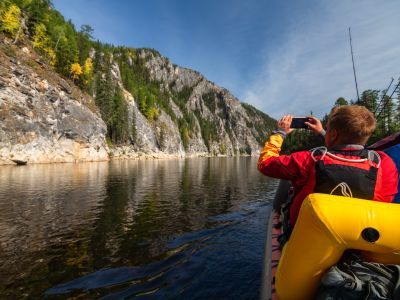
(349, 124)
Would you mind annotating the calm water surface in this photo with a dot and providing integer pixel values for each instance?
(164, 229)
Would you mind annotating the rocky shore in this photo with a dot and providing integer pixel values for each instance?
(44, 118)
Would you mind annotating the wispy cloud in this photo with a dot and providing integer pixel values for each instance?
(312, 68)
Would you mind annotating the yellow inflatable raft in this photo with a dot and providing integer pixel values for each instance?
(328, 225)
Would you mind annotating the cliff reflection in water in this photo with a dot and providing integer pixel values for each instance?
(75, 229)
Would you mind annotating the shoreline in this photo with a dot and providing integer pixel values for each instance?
(129, 156)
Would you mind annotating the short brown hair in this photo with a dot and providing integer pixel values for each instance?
(353, 123)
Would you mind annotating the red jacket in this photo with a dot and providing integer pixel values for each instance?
(299, 168)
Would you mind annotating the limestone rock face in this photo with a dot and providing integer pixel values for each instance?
(44, 119)
(156, 139)
(240, 128)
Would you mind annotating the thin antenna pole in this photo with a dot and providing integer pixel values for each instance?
(383, 96)
(395, 89)
(354, 68)
(390, 97)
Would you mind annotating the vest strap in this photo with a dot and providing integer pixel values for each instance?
(319, 153)
(373, 173)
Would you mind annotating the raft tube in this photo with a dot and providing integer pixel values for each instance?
(327, 226)
(272, 254)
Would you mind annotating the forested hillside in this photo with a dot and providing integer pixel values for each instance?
(148, 104)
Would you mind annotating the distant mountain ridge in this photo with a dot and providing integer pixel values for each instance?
(148, 106)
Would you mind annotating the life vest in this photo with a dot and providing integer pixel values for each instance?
(350, 173)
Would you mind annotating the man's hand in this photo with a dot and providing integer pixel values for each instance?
(314, 124)
(284, 124)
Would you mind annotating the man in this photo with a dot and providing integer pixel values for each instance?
(344, 167)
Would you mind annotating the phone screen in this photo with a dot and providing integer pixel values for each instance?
(299, 123)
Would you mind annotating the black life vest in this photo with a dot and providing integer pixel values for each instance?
(352, 174)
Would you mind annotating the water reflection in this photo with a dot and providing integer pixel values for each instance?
(131, 228)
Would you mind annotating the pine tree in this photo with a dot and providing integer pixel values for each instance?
(84, 38)
(141, 99)
(10, 20)
(390, 117)
(369, 99)
(341, 101)
(37, 12)
(87, 31)
(67, 50)
(104, 91)
(118, 123)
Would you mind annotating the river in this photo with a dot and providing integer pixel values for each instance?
(159, 229)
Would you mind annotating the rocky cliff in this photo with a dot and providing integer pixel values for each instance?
(197, 117)
(45, 117)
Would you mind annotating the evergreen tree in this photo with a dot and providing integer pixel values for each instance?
(37, 12)
(369, 99)
(118, 123)
(84, 42)
(341, 101)
(87, 31)
(142, 100)
(387, 116)
(104, 95)
(66, 51)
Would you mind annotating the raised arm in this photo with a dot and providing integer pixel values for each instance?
(270, 163)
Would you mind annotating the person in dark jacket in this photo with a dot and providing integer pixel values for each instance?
(343, 167)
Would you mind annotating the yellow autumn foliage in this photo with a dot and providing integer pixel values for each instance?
(41, 41)
(10, 20)
(75, 71)
(88, 67)
(87, 70)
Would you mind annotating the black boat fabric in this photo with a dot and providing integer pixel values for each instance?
(355, 279)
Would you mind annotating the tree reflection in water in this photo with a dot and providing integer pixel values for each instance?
(125, 228)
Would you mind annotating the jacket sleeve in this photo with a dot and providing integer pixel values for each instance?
(272, 164)
(389, 180)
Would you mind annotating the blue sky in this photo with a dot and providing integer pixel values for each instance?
(281, 56)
